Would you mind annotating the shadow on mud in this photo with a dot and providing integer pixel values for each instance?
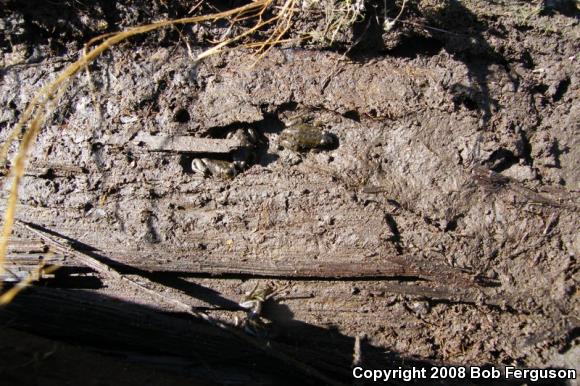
(453, 28)
(190, 347)
(60, 22)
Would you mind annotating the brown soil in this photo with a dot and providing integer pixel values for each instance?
(442, 228)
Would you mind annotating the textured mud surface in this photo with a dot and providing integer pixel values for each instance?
(448, 208)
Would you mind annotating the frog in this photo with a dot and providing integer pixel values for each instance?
(254, 323)
(214, 167)
(253, 300)
(245, 155)
(242, 157)
(302, 136)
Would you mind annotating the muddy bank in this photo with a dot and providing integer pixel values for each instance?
(447, 209)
